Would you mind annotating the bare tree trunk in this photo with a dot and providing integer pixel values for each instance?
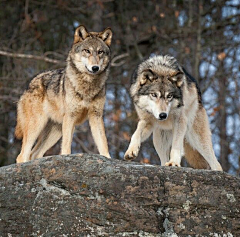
(198, 43)
(224, 146)
(223, 84)
(97, 17)
(3, 139)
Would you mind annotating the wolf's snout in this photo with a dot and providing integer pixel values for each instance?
(162, 116)
(95, 68)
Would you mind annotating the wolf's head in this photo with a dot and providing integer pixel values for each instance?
(157, 89)
(90, 52)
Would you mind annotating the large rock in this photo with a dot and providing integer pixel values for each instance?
(89, 195)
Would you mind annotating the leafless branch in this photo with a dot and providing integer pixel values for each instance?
(4, 139)
(55, 61)
(30, 56)
(85, 149)
(116, 58)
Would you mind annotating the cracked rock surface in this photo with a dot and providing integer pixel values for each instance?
(89, 195)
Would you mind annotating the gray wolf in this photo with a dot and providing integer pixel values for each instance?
(168, 102)
(57, 100)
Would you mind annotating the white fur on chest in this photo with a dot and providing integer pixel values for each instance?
(164, 125)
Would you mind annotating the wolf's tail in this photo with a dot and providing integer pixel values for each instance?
(194, 158)
(18, 130)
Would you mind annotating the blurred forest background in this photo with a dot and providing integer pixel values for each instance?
(203, 35)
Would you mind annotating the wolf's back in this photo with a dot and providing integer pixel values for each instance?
(49, 80)
(37, 89)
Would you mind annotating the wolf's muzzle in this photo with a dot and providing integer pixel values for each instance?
(162, 116)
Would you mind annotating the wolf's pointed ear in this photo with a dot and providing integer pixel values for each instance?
(106, 36)
(147, 75)
(178, 78)
(81, 34)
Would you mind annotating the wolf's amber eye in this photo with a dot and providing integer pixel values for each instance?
(100, 52)
(169, 96)
(86, 51)
(154, 95)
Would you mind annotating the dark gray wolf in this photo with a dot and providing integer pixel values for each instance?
(168, 102)
(58, 100)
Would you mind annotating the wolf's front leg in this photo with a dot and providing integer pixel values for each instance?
(67, 134)
(144, 130)
(98, 132)
(177, 151)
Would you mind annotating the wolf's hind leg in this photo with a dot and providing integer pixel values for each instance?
(194, 158)
(33, 127)
(199, 137)
(162, 141)
(144, 130)
(48, 138)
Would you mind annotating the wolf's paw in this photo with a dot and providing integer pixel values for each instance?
(131, 154)
(108, 156)
(172, 163)
(19, 160)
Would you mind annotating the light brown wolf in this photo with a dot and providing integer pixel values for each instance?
(168, 102)
(57, 100)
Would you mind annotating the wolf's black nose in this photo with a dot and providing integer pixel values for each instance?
(95, 68)
(162, 116)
